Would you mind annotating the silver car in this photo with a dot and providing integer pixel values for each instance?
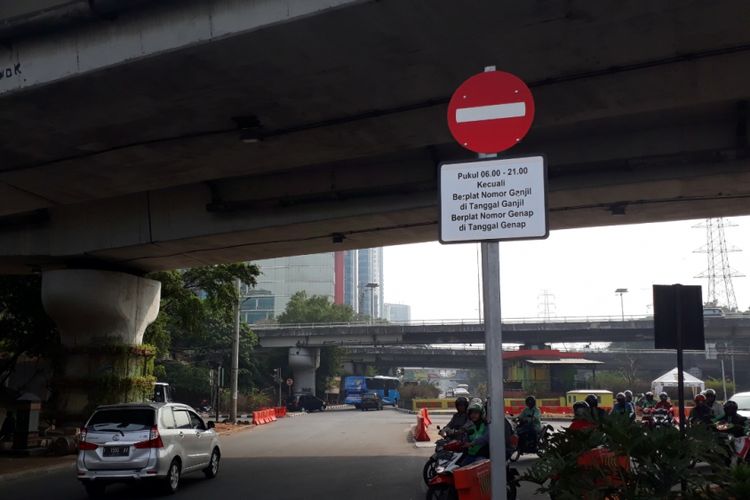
(145, 441)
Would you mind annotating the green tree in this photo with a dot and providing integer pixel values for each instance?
(25, 328)
(315, 309)
(319, 309)
(196, 324)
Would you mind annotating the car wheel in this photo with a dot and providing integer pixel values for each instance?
(95, 489)
(213, 465)
(172, 481)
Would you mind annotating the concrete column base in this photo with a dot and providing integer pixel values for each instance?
(102, 317)
(304, 361)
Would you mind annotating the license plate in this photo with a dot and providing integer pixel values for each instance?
(116, 451)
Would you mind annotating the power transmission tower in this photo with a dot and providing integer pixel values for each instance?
(718, 273)
(546, 304)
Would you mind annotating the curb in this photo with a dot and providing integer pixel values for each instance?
(12, 476)
(403, 410)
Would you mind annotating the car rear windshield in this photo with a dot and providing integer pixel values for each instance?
(122, 419)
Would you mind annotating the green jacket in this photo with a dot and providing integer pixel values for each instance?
(479, 437)
(532, 415)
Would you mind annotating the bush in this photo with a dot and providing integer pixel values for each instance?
(718, 386)
(660, 460)
(416, 391)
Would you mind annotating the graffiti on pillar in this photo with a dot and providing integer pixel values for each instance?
(10, 71)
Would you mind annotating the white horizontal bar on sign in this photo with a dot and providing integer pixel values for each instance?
(491, 112)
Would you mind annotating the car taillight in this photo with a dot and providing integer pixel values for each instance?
(154, 440)
(82, 444)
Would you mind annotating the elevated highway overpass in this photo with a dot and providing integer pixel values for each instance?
(180, 133)
(734, 329)
(647, 361)
(173, 134)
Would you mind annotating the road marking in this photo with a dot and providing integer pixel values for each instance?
(491, 112)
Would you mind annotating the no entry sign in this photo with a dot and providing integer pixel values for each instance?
(491, 112)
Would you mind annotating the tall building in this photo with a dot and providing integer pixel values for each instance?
(349, 277)
(397, 313)
(370, 289)
(283, 277)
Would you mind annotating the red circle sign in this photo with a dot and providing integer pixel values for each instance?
(491, 112)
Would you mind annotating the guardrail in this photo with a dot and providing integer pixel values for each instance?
(453, 322)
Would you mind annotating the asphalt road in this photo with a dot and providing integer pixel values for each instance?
(334, 454)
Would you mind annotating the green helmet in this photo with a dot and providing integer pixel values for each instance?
(475, 407)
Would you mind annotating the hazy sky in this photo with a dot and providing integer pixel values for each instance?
(580, 267)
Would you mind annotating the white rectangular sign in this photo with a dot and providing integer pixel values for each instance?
(493, 199)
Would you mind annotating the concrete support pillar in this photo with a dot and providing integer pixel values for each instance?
(102, 317)
(303, 362)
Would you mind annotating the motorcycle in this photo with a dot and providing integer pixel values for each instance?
(737, 441)
(447, 453)
(442, 485)
(653, 418)
(526, 444)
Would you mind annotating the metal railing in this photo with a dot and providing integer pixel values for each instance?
(453, 322)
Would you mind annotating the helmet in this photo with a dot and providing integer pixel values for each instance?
(531, 400)
(649, 395)
(700, 397)
(730, 407)
(663, 396)
(709, 393)
(474, 406)
(580, 408)
(620, 397)
(462, 401)
(629, 394)
(591, 400)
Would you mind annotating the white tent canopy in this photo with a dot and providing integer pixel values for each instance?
(669, 379)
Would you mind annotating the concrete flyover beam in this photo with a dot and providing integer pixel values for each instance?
(134, 35)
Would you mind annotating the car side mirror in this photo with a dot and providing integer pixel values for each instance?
(211, 424)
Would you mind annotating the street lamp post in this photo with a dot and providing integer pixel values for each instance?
(372, 287)
(621, 292)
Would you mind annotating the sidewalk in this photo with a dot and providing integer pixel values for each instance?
(12, 468)
(18, 467)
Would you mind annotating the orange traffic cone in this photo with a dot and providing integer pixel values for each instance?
(420, 431)
(426, 416)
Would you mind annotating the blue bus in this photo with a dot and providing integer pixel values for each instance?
(385, 387)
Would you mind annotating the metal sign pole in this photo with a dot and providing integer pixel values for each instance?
(493, 348)
(494, 351)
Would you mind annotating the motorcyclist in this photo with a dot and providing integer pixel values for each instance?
(529, 423)
(582, 419)
(622, 406)
(459, 420)
(664, 403)
(717, 410)
(740, 426)
(597, 414)
(701, 414)
(648, 401)
(629, 397)
(478, 438)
